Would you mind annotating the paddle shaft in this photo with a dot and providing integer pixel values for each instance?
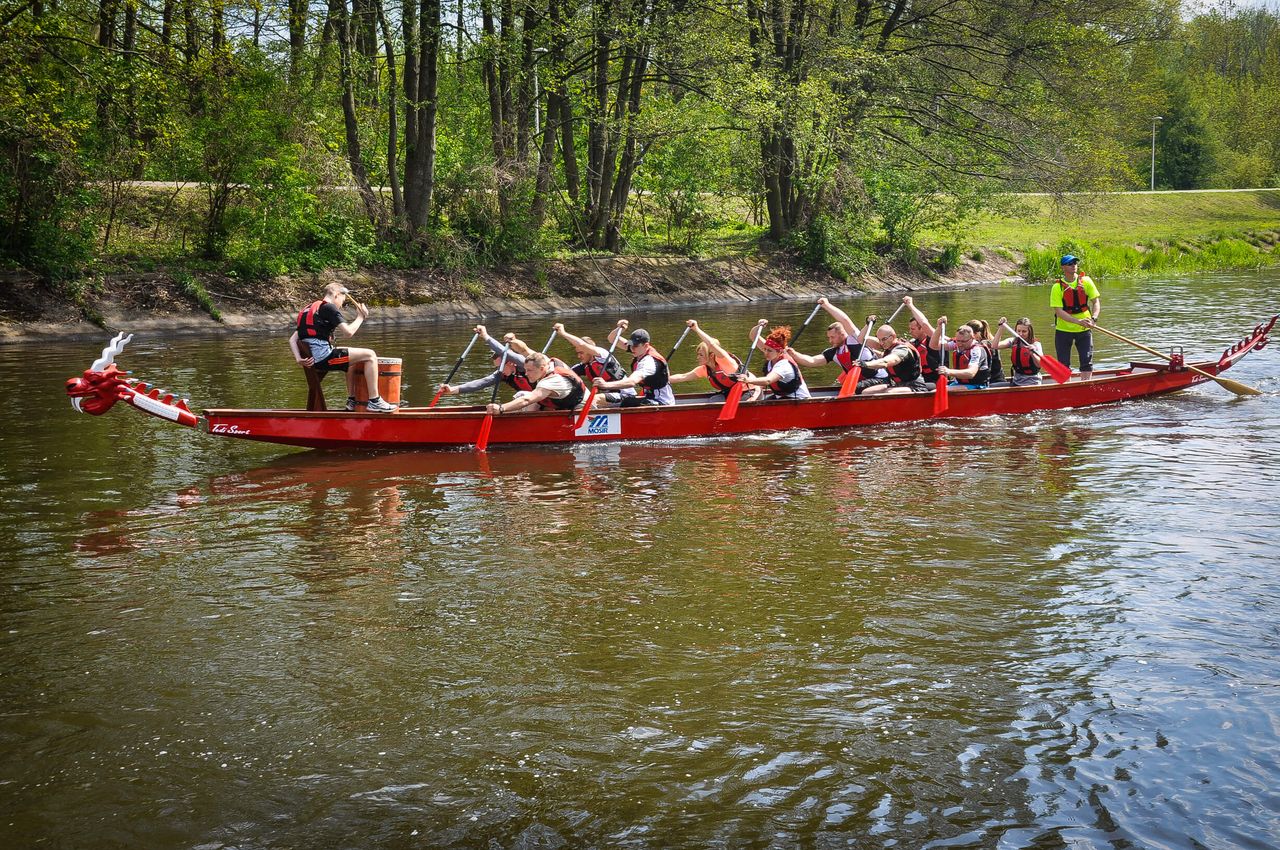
(454, 370)
(550, 340)
(678, 341)
(482, 442)
(1234, 386)
(816, 308)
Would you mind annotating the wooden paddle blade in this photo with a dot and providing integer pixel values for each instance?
(482, 442)
(849, 381)
(940, 401)
(586, 409)
(730, 408)
(435, 398)
(1235, 386)
(1057, 370)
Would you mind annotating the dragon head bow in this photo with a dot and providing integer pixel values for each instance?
(102, 384)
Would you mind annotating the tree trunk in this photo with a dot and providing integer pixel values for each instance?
(423, 107)
(393, 127)
(372, 203)
(297, 37)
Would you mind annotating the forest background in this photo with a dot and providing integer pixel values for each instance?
(258, 139)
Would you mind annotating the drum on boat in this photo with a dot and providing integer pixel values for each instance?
(389, 370)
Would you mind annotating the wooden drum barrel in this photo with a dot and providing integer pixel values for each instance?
(389, 369)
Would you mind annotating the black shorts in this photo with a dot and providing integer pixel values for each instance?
(916, 386)
(337, 361)
(638, 401)
(870, 382)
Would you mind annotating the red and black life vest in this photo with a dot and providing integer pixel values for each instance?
(929, 359)
(1074, 298)
(310, 326)
(722, 381)
(786, 389)
(574, 398)
(960, 361)
(659, 379)
(518, 380)
(1021, 359)
(906, 370)
(610, 370)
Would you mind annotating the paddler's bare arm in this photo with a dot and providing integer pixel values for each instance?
(840, 316)
(807, 359)
(921, 319)
(297, 355)
(362, 313)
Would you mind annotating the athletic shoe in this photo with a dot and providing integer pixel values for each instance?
(377, 405)
(351, 403)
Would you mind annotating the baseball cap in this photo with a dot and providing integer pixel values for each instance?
(1068, 259)
(639, 335)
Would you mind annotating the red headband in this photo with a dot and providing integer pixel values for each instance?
(774, 344)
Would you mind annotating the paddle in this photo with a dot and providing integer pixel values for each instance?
(550, 340)
(849, 381)
(1057, 370)
(482, 442)
(453, 371)
(940, 399)
(730, 408)
(1234, 386)
(816, 308)
(591, 397)
(672, 352)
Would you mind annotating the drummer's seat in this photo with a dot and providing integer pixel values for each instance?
(315, 394)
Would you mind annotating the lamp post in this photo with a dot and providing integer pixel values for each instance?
(1154, 119)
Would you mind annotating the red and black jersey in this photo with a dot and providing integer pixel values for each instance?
(518, 380)
(930, 359)
(961, 359)
(906, 370)
(574, 398)
(722, 381)
(1021, 358)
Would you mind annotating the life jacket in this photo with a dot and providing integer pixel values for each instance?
(720, 379)
(1021, 359)
(610, 370)
(928, 358)
(307, 326)
(960, 360)
(907, 370)
(784, 389)
(1074, 298)
(659, 379)
(574, 398)
(994, 366)
(847, 355)
(518, 380)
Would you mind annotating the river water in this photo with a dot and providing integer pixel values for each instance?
(1046, 631)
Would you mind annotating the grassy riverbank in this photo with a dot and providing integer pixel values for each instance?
(1137, 234)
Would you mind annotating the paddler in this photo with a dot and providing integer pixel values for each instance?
(900, 361)
(650, 377)
(315, 326)
(783, 378)
(715, 363)
(595, 362)
(1076, 303)
(510, 370)
(1025, 351)
(846, 347)
(968, 367)
(921, 329)
(555, 387)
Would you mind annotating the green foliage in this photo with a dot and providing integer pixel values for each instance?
(841, 245)
(1109, 259)
(194, 289)
(949, 258)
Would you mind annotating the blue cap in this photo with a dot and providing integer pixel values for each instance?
(1068, 259)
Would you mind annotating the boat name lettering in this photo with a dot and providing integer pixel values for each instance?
(600, 425)
(223, 428)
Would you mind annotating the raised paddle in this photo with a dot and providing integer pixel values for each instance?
(453, 371)
(940, 398)
(672, 352)
(591, 397)
(816, 308)
(482, 442)
(730, 408)
(849, 380)
(550, 340)
(1235, 386)
(1057, 370)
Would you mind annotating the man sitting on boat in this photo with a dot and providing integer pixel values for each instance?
(650, 377)
(510, 370)
(968, 367)
(784, 377)
(921, 329)
(846, 348)
(312, 344)
(595, 362)
(715, 363)
(901, 362)
(555, 387)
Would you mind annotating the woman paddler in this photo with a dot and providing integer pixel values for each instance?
(784, 377)
(845, 348)
(555, 387)
(982, 333)
(715, 363)
(1024, 351)
(650, 377)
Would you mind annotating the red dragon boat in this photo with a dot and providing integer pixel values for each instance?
(695, 415)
